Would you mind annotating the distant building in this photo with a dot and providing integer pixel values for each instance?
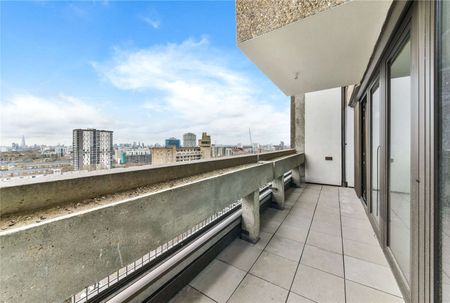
(189, 140)
(22, 143)
(138, 156)
(163, 155)
(119, 156)
(280, 147)
(92, 149)
(60, 150)
(221, 151)
(205, 145)
(171, 154)
(173, 142)
(128, 155)
(205, 140)
(186, 154)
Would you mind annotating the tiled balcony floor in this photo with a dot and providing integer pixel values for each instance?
(321, 248)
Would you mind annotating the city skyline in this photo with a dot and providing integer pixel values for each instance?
(146, 143)
(149, 81)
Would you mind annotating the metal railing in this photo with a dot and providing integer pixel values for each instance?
(93, 290)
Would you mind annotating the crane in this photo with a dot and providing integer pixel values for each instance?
(251, 142)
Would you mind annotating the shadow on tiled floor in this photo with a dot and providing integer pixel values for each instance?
(321, 248)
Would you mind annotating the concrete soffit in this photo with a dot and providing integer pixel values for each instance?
(254, 18)
(328, 49)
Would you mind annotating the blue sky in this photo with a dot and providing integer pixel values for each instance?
(146, 70)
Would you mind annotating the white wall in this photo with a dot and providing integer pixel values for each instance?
(323, 136)
(349, 147)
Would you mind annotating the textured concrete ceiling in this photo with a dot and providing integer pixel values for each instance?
(256, 17)
(328, 49)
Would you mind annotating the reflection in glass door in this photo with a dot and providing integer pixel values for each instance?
(375, 152)
(444, 150)
(399, 158)
(364, 149)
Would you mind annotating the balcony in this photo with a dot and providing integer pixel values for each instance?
(320, 248)
(148, 226)
(234, 229)
(73, 237)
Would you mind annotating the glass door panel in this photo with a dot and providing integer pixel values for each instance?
(375, 153)
(364, 134)
(399, 158)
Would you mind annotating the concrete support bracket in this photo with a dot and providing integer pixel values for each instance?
(278, 192)
(298, 175)
(250, 217)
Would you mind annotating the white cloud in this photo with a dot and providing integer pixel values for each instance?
(199, 88)
(47, 120)
(155, 23)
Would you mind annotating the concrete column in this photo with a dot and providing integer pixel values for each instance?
(278, 192)
(250, 217)
(298, 134)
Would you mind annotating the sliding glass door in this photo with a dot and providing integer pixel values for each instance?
(375, 152)
(399, 159)
(364, 138)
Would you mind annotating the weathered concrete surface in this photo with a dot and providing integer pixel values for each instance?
(280, 166)
(284, 164)
(298, 123)
(48, 262)
(298, 135)
(297, 178)
(257, 17)
(250, 217)
(274, 155)
(29, 195)
(278, 192)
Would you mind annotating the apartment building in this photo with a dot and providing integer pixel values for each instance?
(163, 155)
(189, 140)
(173, 142)
(205, 146)
(92, 149)
(357, 210)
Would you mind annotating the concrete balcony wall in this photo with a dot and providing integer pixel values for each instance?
(51, 260)
(29, 195)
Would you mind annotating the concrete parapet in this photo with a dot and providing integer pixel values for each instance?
(284, 164)
(48, 262)
(53, 259)
(28, 195)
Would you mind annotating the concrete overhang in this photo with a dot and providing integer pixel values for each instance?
(330, 48)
